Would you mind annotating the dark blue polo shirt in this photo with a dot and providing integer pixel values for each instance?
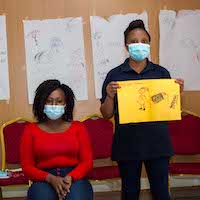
(138, 141)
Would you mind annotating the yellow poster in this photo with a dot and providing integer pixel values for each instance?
(148, 100)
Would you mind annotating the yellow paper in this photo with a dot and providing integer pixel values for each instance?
(148, 100)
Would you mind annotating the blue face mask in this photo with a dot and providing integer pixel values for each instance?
(54, 112)
(139, 51)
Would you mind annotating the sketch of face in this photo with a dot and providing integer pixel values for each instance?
(137, 35)
(56, 43)
(57, 97)
(142, 90)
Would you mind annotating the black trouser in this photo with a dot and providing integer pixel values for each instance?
(157, 171)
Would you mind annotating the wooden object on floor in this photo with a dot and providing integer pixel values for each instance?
(181, 193)
(185, 193)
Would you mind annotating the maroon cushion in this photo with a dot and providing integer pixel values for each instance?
(12, 136)
(185, 135)
(14, 181)
(184, 168)
(102, 173)
(101, 134)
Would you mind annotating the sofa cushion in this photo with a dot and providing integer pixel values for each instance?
(101, 134)
(102, 173)
(14, 181)
(184, 168)
(185, 135)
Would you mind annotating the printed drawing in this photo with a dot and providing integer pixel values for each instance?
(55, 47)
(143, 100)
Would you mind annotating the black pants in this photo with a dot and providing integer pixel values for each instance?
(157, 171)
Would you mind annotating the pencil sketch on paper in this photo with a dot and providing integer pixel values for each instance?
(142, 99)
(59, 54)
(56, 44)
(34, 35)
(191, 44)
(3, 56)
(174, 102)
(97, 36)
(70, 24)
(4, 78)
(77, 57)
(180, 45)
(163, 96)
(108, 43)
(159, 97)
(46, 56)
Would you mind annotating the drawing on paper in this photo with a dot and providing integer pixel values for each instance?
(77, 57)
(58, 54)
(190, 43)
(56, 44)
(46, 56)
(142, 99)
(148, 100)
(34, 35)
(108, 44)
(174, 102)
(97, 36)
(159, 97)
(4, 79)
(70, 24)
(180, 45)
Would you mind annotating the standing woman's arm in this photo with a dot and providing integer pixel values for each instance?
(109, 91)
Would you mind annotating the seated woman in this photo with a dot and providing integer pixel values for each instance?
(56, 152)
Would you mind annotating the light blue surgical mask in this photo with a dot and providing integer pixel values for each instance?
(139, 51)
(54, 112)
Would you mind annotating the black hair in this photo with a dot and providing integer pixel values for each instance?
(42, 93)
(134, 25)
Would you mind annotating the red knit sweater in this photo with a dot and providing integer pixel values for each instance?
(41, 150)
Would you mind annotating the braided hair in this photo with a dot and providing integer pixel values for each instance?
(42, 93)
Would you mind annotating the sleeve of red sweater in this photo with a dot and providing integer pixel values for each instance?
(85, 154)
(27, 157)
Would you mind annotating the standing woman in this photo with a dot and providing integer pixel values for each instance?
(56, 152)
(135, 143)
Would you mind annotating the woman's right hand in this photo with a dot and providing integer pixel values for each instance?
(58, 184)
(111, 89)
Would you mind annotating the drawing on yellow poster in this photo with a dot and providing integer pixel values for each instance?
(148, 100)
